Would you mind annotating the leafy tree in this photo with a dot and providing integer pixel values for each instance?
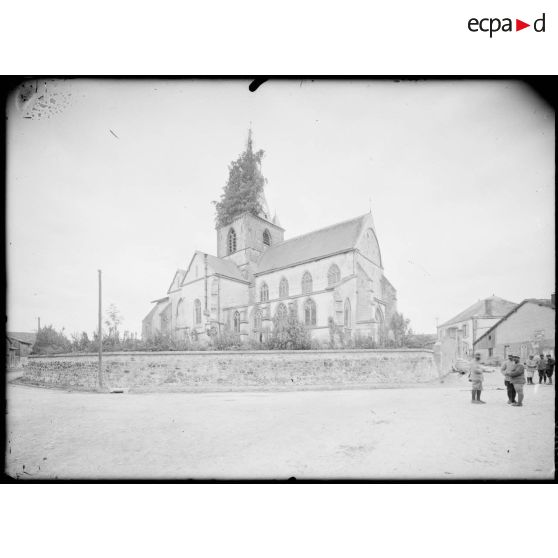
(50, 341)
(399, 326)
(80, 342)
(244, 186)
(114, 319)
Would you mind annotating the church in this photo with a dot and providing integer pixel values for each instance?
(331, 277)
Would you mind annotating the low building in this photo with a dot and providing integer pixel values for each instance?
(18, 348)
(529, 328)
(158, 321)
(463, 330)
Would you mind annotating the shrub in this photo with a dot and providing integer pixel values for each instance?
(361, 341)
(225, 340)
(288, 334)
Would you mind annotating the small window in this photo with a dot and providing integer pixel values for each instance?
(490, 352)
(231, 241)
(333, 275)
(464, 330)
(264, 293)
(266, 238)
(283, 288)
(197, 311)
(306, 283)
(310, 312)
(236, 322)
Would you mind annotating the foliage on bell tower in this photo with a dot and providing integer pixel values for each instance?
(244, 189)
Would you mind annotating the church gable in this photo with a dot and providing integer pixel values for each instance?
(368, 244)
(176, 280)
(195, 269)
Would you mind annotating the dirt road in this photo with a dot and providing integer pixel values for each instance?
(423, 433)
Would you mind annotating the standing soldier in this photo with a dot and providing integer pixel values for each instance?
(506, 368)
(517, 376)
(476, 376)
(530, 367)
(541, 366)
(549, 368)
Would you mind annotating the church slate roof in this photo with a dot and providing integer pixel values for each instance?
(499, 307)
(334, 239)
(226, 268)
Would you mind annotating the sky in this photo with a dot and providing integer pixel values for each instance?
(120, 175)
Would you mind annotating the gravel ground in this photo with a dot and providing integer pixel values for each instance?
(429, 432)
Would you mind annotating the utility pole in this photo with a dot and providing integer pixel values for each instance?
(100, 334)
(38, 325)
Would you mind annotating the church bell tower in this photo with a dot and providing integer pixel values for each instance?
(245, 237)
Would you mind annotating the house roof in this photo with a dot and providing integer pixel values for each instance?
(498, 307)
(22, 336)
(539, 301)
(334, 239)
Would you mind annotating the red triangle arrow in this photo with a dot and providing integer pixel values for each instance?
(519, 25)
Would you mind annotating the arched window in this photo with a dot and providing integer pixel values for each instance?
(179, 309)
(257, 319)
(310, 312)
(283, 288)
(236, 322)
(347, 313)
(264, 293)
(282, 314)
(306, 283)
(231, 241)
(333, 275)
(197, 311)
(266, 238)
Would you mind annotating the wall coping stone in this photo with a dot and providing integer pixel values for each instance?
(233, 352)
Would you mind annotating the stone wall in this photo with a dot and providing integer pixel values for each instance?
(217, 371)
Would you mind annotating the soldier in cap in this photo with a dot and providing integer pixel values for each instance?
(550, 362)
(476, 377)
(517, 376)
(530, 367)
(541, 365)
(506, 368)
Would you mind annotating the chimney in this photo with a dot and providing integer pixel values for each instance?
(488, 307)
